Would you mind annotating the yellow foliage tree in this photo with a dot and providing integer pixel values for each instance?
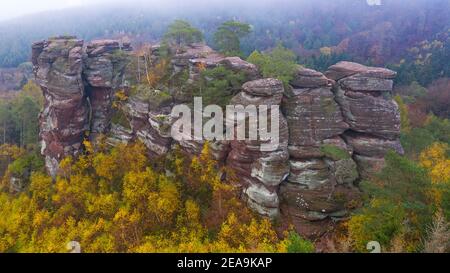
(436, 160)
(112, 201)
(404, 114)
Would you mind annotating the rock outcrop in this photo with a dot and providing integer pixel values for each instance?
(58, 66)
(335, 128)
(261, 172)
(364, 95)
(318, 177)
(61, 65)
(104, 65)
(150, 121)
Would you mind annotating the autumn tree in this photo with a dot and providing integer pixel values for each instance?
(436, 160)
(404, 114)
(280, 63)
(399, 208)
(228, 35)
(181, 33)
(113, 200)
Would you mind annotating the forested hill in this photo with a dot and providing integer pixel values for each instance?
(370, 34)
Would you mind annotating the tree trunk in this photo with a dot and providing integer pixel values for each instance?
(4, 131)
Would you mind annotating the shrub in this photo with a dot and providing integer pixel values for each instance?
(296, 244)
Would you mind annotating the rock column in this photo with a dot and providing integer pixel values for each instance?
(104, 67)
(261, 172)
(364, 94)
(320, 186)
(58, 69)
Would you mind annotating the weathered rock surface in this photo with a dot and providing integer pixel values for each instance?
(367, 145)
(309, 196)
(364, 95)
(104, 67)
(59, 67)
(346, 69)
(183, 56)
(378, 116)
(261, 172)
(308, 78)
(150, 124)
(335, 128)
(313, 115)
(119, 135)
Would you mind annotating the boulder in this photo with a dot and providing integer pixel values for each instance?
(346, 69)
(365, 113)
(238, 65)
(264, 87)
(308, 78)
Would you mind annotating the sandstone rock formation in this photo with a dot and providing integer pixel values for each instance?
(60, 65)
(335, 128)
(364, 95)
(261, 172)
(317, 177)
(104, 65)
(150, 122)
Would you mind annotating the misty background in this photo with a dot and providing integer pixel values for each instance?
(368, 31)
(17, 8)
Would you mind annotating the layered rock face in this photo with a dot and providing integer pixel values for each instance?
(150, 122)
(261, 172)
(320, 184)
(104, 65)
(364, 95)
(334, 128)
(60, 65)
(340, 128)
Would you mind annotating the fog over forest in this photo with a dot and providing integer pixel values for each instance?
(299, 25)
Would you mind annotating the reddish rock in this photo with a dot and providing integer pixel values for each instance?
(261, 172)
(61, 65)
(263, 88)
(370, 146)
(349, 110)
(345, 69)
(313, 115)
(378, 116)
(312, 211)
(103, 70)
(58, 70)
(308, 78)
